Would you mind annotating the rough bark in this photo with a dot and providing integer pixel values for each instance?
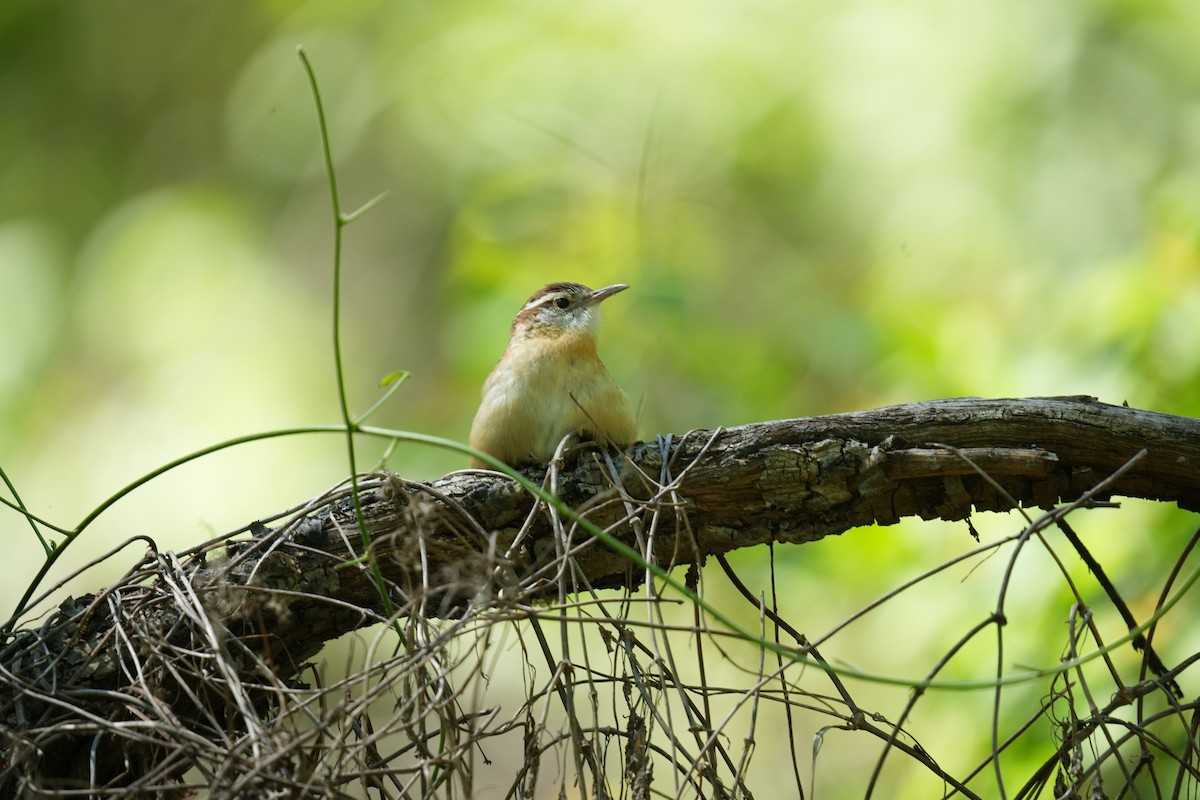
(281, 595)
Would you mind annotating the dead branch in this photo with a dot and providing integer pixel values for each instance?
(267, 603)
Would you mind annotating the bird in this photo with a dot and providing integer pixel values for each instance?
(550, 382)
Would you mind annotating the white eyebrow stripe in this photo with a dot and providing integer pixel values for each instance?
(541, 301)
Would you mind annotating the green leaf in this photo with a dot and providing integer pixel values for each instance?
(397, 377)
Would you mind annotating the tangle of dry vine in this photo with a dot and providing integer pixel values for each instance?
(204, 671)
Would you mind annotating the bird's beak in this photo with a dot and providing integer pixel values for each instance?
(608, 291)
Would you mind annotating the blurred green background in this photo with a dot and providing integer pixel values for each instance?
(820, 207)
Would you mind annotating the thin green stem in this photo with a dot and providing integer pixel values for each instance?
(393, 382)
(19, 505)
(339, 223)
(346, 219)
(73, 534)
(35, 520)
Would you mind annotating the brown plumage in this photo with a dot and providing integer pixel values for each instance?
(551, 381)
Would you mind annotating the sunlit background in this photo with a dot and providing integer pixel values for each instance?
(820, 207)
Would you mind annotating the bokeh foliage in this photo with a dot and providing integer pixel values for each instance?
(820, 207)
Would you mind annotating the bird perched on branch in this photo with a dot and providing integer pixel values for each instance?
(551, 382)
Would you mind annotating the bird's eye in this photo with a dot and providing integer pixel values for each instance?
(562, 302)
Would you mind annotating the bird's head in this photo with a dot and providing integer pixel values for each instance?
(559, 309)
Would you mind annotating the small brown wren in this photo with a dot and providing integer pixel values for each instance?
(551, 382)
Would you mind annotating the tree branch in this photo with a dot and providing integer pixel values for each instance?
(270, 602)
